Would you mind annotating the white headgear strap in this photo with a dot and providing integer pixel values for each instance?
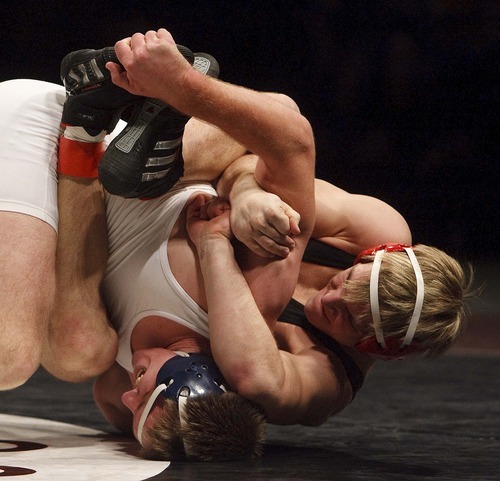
(374, 298)
(183, 397)
(147, 410)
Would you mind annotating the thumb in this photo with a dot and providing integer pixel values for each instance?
(118, 74)
(194, 205)
(294, 218)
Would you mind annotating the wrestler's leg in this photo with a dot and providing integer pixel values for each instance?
(29, 129)
(33, 330)
(81, 343)
(27, 253)
(207, 151)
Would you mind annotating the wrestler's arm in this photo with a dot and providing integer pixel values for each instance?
(154, 67)
(259, 219)
(282, 139)
(354, 222)
(207, 150)
(306, 388)
(351, 222)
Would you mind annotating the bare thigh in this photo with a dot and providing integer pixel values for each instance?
(27, 270)
(207, 150)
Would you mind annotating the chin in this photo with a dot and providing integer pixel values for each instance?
(316, 319)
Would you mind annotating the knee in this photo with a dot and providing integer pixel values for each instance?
(80, 356)
(18, 365)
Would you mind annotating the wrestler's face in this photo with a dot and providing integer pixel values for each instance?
(328, 311)
(146, 364)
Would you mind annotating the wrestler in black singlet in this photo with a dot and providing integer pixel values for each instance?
(318, 252)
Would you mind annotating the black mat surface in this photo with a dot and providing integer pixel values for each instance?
(416, 420)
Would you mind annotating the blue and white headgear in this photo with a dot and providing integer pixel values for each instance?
(182, 377)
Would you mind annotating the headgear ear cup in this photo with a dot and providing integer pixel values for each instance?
(392, 351)
(371, 251)
(379, 346)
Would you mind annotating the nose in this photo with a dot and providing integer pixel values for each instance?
(332, 297)
(131, 399)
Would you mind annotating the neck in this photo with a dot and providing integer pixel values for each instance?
(312, 278)
(190, 345)
(155, 331)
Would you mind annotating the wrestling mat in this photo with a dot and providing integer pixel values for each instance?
(39, 449)
(412, 421)
(416, 421)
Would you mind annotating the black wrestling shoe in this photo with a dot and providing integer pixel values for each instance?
(206, 64)
(145, 159)
(93, 101)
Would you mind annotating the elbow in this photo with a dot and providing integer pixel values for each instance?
(262, 388)
(243, 382)
(299, 137)
(305, 140)
(303, 146)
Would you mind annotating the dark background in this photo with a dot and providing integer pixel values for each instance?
(402, 95)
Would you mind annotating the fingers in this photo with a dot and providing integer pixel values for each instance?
(267, 248)
(272, 248)
(164, 33)
(123, 49)
(267, 241)
(139, 40)
(151, 38)
(215, 207)
(294, 218)
(285, 220)
(276, 234)
(194, 206)
(128, 47)
(279, 225)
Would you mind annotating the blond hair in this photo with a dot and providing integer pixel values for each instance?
(217, 428)
(446, 288)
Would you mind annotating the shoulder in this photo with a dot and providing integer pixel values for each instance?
(320, 379)
(354, 222)
(314, 372)
(108, 389)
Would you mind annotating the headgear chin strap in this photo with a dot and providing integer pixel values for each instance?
(389, 347)
(182, 377)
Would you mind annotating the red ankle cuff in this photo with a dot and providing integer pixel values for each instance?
(79, 159)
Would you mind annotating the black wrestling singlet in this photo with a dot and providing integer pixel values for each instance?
(320, 253)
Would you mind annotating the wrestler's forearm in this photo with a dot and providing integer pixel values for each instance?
(265, 126)
(242, 343)
(237, 177)
(280, 138)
